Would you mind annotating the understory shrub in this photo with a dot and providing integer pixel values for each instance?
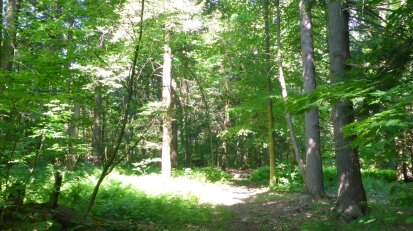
(206, 174)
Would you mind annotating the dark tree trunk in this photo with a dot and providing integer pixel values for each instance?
(98, 124)
(1, 36)
(404, 146)
(270, 117)
(58, 178)
(351, 200)
(9, 40)
(8, 33)
(313, 173)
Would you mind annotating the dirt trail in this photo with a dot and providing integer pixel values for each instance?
(254, 208)
(270, 211)
(261, 209)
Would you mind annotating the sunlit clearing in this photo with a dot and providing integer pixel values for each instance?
(208, 193)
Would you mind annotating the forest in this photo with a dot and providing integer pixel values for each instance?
(187, 115)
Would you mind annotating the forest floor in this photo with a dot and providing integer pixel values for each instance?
(262, 209)
(254, 207)
(190, 202)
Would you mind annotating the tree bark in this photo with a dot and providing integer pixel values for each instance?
(1, 36)
(351, 201)
(270, 117)
(224, 145)
(167, 132)
(314, 173)
(73, 127)
(8, 44)
(9, 39)
(98, 124)
(58, 178)
(174, 147)
(404, 147)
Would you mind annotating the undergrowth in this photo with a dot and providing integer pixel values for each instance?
(119, 200)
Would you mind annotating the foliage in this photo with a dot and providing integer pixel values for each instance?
(288, 178)
(206, 174)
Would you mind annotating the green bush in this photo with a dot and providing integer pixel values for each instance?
(384, 174)
(330, 179)
(206, 174)
(288, 178)
(401, 194)
(261, 175)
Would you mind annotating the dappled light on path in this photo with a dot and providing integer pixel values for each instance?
(208, 193)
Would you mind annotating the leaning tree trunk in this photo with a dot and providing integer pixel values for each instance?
(351, 200)
(313, 173)
(110, 164)
(284, 93)
(270, 116)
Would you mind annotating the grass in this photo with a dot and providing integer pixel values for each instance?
(121, 198)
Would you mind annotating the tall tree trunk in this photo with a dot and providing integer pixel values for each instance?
(167, 136)
(1, 36)
(224, 145)
(174, 147)
(404, 147)
(314, 173)
(98, 124)
(9, 41)
(73, 127)
(351, 200)
(73, 131)
(270, 117)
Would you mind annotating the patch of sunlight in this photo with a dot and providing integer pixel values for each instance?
(208, 193)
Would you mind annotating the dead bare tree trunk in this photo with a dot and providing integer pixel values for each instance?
(167, 102)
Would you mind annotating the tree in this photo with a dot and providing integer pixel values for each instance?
(168, 147)
(8, 43)
(351, 200)
(270, 116)
(313, 172)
